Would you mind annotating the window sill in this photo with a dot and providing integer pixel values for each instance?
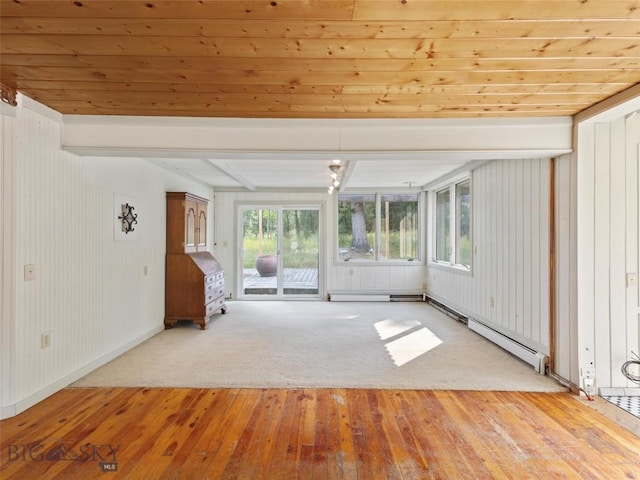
(380, 263)
(459, 269)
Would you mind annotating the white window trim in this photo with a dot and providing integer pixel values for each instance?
(450, 184)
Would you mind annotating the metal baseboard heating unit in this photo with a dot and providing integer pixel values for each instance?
(375, 297)
(537, 360)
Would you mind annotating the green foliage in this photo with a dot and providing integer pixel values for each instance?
(300, 242)
(464, 251)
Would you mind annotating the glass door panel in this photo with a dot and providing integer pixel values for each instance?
(300, 251)
(260, 262)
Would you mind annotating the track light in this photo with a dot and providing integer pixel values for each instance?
(335, 170)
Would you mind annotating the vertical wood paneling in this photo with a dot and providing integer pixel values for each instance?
(89, 290)
(544, 273)
(511, 235)
(7, 264)
(618, 251)
(563, 248)
(632, 260)
(573, 345)
(602, 250)
(526, 264)
(607, 182)
(585, 240)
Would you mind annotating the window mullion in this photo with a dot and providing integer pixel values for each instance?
(453, 231)
(378, 227)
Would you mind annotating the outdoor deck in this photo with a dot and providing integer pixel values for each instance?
(297, 281)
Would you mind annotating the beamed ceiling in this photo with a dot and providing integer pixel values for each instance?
(320, 58)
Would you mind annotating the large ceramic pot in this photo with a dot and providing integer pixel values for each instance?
(267, 265)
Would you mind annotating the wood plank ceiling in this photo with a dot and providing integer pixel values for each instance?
(320, 58)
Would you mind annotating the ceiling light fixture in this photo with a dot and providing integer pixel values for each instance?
(335, 170)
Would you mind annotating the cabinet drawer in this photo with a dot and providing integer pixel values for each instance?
(214, 287)
(213, 278)
(215, 305)
(212, 294)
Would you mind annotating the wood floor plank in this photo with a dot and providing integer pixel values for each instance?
(344, 434)
(220, 440)
(304, 469)
(314, 434)
(474, 457)
(615, 458)
(403, 455)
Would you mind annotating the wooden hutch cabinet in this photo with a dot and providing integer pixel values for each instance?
(194, 285)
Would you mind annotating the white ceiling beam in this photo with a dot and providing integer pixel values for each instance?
(219, 137)
(227, 170)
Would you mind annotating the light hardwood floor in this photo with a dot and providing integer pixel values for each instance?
(314, 434)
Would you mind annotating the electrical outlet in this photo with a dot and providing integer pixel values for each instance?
(589, 386)
(145, 270)
(588, 372)
(29, 272)
(45, 340)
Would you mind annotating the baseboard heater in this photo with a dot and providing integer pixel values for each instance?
(375, 297)
(445, 309)
(537, 360)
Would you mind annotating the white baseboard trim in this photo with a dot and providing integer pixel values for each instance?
(537, 360)
(28, 402)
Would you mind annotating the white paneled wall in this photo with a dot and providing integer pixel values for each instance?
(608, 247)
(509, 284)
(337, 277)
(7, 270)
(90, 291)
(566, 303)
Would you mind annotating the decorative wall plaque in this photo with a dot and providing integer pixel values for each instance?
(128, 218)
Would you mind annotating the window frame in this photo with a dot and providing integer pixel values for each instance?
(377, 259)
(450, 185)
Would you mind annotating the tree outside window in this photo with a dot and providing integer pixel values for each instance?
(378, 227)
(452, 236)
(443, 225)
(463, 223)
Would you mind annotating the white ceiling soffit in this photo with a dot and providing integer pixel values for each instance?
(253, 154)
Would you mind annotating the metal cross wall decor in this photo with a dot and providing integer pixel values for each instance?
(128, 218)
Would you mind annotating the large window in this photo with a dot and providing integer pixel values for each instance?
(452, 227)
(378, 227)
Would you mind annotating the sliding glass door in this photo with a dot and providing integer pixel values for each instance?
(279, 251)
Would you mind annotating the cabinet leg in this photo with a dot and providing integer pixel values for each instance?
(223, 310)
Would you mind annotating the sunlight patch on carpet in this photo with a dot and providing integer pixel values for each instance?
(411, 346)
(390, 328)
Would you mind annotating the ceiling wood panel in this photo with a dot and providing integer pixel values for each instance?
(294, 65)
(186, 27)
(320, 58)
(275, 48)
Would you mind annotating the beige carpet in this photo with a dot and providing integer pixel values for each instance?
(322, 344)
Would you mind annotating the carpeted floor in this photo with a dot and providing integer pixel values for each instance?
(322, 344)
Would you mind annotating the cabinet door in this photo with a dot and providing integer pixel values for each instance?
(201, 228)
(190, 225)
